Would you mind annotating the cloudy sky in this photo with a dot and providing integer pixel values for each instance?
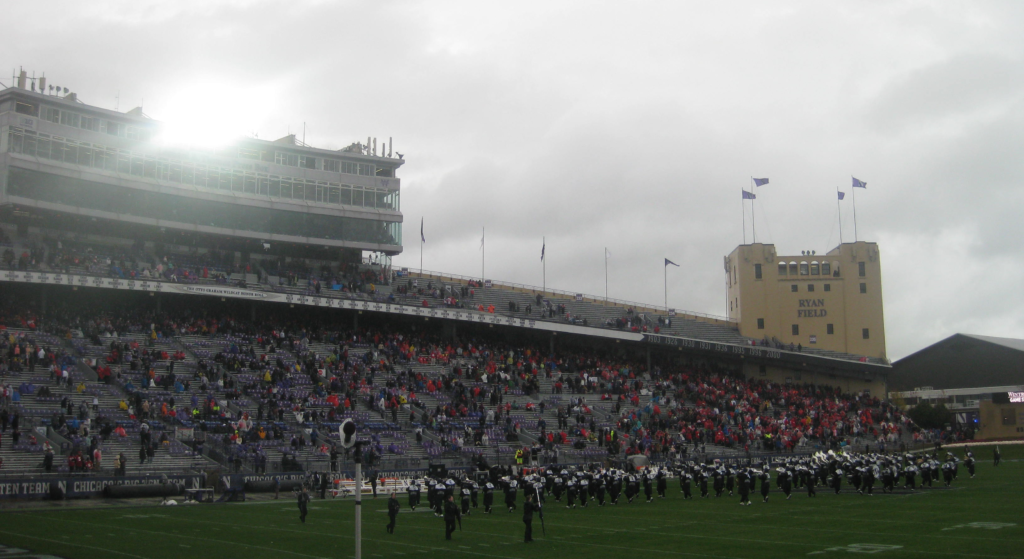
(626, 125)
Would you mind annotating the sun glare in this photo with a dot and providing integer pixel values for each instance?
(211, 115)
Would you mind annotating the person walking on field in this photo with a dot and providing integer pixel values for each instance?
(303, 504)
(393, 507)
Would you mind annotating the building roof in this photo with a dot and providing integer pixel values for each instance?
(1011, 343)
(962, 361)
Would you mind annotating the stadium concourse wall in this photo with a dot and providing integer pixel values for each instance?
(764, 355)
(43, 487)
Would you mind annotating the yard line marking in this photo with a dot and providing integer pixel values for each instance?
(72, 544)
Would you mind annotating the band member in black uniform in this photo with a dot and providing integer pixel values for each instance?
(465, 498)
(744, 482)
(598, 485)
(719, 481)
(686, 483)
(648, 487)
(809, 480)
(510, 495)
(570, 493)
(632, 487)
(414, 494)
(614, 488)
(583, 485)
(969, 462)
(837, 479)
(730, 480)
(785, 482)
(393, 507)
(766, 483)
(488, 497)
(558, 487)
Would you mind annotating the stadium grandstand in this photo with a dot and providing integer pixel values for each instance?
(176, 311)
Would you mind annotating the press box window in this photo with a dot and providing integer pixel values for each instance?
(866, 334)
(861, 269)
(760, 324)
(830, 329)
(863, 288)
(782, 268)
(26, 108)
(794, 288)
(757, 271)
(796, 329)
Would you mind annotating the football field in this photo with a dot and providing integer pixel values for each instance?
(981, 517)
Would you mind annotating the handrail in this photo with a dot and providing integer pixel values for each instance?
(432, 274)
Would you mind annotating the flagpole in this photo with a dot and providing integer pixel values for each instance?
(744, 212)
(854, 189)
(840, 208)
(753, 219)
(483, 253)
(544, 262)
(666, 287)
(605, 274)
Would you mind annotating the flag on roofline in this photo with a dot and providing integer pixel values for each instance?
(667, 262)
(842, 195)
(760, 182)
(859, 183)
(749, 195)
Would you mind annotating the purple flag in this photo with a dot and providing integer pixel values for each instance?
(859, 183)
(842, 195)
(760, 182)
(748, 195)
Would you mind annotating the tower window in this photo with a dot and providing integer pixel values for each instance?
(866, 334)
(757, 271)
(760, 324)
(861, 271)
(863, 288)
(810, 287)
(830, 329)
(796, 329)
(794, 288)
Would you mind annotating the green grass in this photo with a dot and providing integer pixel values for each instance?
(925, 524)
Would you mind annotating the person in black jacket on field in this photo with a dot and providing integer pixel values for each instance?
(303, 504)
(393, 507)
(528, 508)
(451, 514)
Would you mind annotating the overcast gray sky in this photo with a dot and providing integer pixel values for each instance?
(626, 125)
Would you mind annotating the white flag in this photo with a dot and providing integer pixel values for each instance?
(607, 253)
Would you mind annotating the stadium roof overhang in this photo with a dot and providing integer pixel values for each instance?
(789, 359)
